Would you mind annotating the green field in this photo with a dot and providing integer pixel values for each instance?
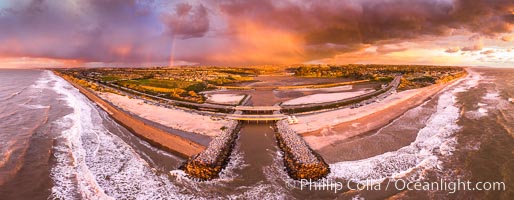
(160, 83)
(174, 89)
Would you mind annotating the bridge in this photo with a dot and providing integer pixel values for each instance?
(241, 117)
(258, 108)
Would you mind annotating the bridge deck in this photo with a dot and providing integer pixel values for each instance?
(257, 108)
(257, 117)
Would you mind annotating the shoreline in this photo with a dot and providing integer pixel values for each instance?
(155, 136)
(372, 119)
(202, 125)
(197, 138)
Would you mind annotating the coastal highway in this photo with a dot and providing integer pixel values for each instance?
(229, 111)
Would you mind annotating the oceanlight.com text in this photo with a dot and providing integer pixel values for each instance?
(451, 186)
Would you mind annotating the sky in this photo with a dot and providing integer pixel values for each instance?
(134, 33)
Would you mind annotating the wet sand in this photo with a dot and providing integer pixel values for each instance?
(153, 135)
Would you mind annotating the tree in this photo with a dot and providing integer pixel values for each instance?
(192, 93)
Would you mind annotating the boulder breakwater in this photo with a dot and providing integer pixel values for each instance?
(300, 160)
(208, 164)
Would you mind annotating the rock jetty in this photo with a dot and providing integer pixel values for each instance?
(301, 162)
(208, 164)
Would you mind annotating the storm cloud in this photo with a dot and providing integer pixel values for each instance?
(327, 23)
(238, 32)
(187, 21)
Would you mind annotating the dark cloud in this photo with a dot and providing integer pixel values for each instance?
(188, 21)
(452, 50)
(487, 52)
(92, 31)
(146, 31)
(385, 49)
(371, 21)
(476, 47)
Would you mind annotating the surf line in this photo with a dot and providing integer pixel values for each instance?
(155, 136)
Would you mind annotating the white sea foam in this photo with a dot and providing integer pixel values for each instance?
(43, 81)
(276, 178)
(12, 95)
(226, 175)
(492, 95)
(271, 189)
(236, 162)
(434, 140)
(476, 114)
(259, 191)
(489, 101)
(92, 163)
(35, 106)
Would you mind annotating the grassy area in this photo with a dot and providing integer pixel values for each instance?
(159, 83)
(219, 81)
(414, 76)
(185, 83)
(87, 84)
(174, 89)
(423, 81)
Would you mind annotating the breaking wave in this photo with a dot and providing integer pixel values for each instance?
(14, 94)
(274, 187)
(93, 163)
(434, 140)
(226, 175)
(271, 188)
(491, 100)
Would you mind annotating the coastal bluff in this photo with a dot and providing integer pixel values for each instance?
(155, 136)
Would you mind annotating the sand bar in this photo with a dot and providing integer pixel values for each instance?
(153, 135)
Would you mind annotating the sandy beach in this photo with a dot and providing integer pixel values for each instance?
(173, 118)
(153, 135)
(322, 129)
(226, 99)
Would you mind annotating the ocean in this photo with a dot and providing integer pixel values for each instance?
(56, 144)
